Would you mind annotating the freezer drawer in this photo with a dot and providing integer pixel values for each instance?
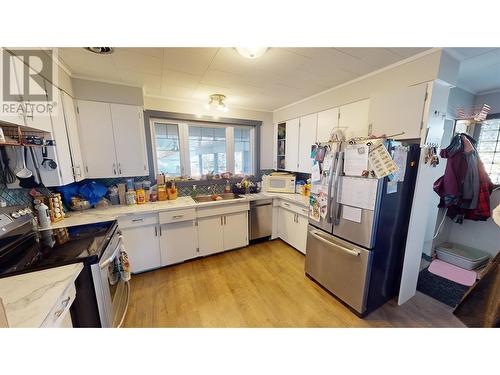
(339, 266)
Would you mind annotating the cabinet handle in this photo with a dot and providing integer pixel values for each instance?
(160, 229)
(156, 231)
(114, 168)
(286, 204)
(175, 217)
(137, 220)
(64, 304)
(221, 222)
(224, 219)
(120, 168)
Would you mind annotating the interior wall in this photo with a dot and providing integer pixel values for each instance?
(459, 98)
(106, 92)
(423, 69)
(194, 108)
(493, 100)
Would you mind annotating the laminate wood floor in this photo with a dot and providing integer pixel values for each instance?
(262, 285)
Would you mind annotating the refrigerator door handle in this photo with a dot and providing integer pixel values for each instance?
(334, 214)
(352, 252)
(331, 172)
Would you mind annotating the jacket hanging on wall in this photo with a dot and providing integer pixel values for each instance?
(465, 187)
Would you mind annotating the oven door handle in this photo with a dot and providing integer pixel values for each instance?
(105, 263)
(120, 324)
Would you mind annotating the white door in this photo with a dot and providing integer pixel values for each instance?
(16, 118)
(327, 120)
(210, 235)
(178, 242)
(130, 141)
(354, 117)
(398, 111)
(97, 139)
(235, 230)
(307, 137)
(292, 145)
(143, 247)
(73, 135)
(60, 153)
(301, 233)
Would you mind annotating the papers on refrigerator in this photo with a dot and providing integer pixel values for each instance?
(400, 158)
(315, 173)
(351, 213)
(381, 161)
(358, 192)
(356, 159)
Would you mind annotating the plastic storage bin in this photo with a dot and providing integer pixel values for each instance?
(462, 256)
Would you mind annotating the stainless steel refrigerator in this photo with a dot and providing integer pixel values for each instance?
(358, 225)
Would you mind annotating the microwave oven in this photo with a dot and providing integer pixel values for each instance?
(279, 183)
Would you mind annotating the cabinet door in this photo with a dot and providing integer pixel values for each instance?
(307, 137)
(60, 153)
(286, 225)
(128, 129)
(235, 230)
(143, 247)
(16, 118)
(210, 235)
(292, 145)
(178, 242)
(327, 120)
(300, 238)
(354, 117)
(398, 111)
(97, 139)
(34, 119)
(73, 135)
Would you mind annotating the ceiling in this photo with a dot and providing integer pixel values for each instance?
(479, 68)
(280, 77)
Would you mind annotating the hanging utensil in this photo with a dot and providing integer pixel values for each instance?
(46, 160)
(10, 176)
(40, 187)
(24, 173)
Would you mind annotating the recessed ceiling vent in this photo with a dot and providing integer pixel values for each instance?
(100, 50)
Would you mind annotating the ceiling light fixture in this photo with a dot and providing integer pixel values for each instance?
(251, 52)
(217, 101)
(100, 50)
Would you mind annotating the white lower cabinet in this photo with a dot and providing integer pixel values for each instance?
(292, 225)
(222, 232)
(178, 242)
(141, 240)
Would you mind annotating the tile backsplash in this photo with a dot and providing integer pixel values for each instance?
(15, 197)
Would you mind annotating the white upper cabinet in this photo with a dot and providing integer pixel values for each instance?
(18, 117)
(307, 137)
(398, 111)
(97, 139)
(130, 140)
(73, 136)
(60, 153)
(354, 118)
(327, 120)
(292, 144)
(113, 140)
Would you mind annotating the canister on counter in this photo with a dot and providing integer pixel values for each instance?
(130, 184)
(140, 196)
(130, 197)
(146, 185)
(162, 193)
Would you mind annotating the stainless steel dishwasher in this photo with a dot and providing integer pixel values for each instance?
(261, 219)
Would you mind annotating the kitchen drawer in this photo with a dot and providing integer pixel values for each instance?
(137, 220)
(297, 208)
(167, 217)
(223, 209)
(60, 309)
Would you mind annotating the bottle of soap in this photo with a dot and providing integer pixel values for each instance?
(227, 188)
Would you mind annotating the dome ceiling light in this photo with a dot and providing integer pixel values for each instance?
(217, 101)
(251, 52)
(100, 50)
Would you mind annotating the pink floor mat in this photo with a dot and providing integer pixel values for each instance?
(453, 273)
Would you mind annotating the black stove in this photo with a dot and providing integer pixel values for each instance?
(23, 249)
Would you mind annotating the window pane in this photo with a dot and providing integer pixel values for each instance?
(168, 149)
(242, 154)
(489, 148)
(207, 150)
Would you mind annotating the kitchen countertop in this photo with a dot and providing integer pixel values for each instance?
(95, 215)
(29, 297)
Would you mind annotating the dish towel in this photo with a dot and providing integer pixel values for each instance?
(119, 269)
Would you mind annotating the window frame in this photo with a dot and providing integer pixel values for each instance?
(183, 131)
(476, 134)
